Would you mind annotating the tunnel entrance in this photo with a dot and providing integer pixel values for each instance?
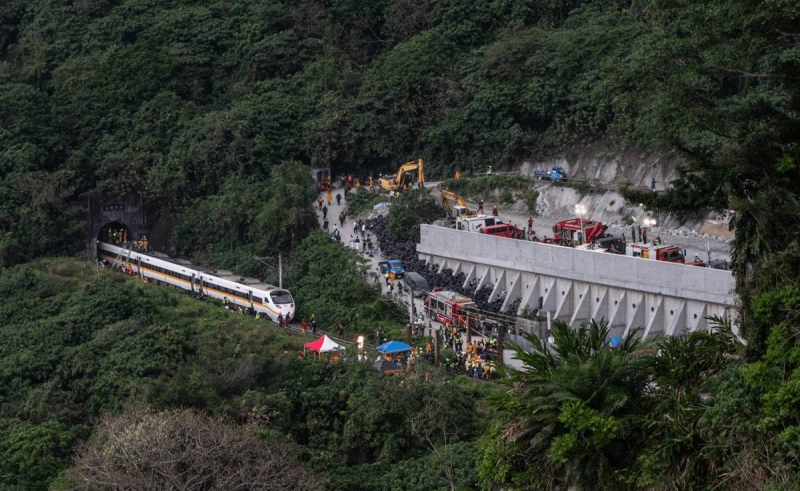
(116, 233)
(115, 220)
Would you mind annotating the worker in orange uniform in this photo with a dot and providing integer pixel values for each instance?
(458, 174)
(329, 198)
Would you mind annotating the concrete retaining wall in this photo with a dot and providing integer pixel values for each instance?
(646, 276)
(575, 285)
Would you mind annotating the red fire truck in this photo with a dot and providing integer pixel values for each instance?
(566, 231)
(446, 306)
(670, 254)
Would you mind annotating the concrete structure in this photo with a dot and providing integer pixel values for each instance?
(118, 212)
(320, 173)
(576, 285)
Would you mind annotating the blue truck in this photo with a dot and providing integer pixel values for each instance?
(392, 265)
(556, 174)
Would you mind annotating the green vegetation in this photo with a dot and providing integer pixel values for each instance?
(215, 111)
(331, 283)
(412, 208)
(362, 201)
(78, 344)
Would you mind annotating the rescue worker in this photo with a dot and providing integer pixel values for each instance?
(313, 323)
(392, 277)
(494, 209)
(319, 203)
(480, 206)
(250, 309)
(145, 244)
(304, 325)
(124, 236)
(225, 303)
(458, 174)
(115, 236)
(325, 225)
(338, 199)
(110, 236)
(340, 331)
(324, 212)
(530, 224)
(329, 198)
(280, 320)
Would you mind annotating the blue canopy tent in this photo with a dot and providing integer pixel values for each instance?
(393, 347)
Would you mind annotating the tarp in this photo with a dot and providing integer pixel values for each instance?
(322, 345)
(393, 347)
(380, 205)
(615, 341)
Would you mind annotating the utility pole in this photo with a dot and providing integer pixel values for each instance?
(411, 304)
(263, 261)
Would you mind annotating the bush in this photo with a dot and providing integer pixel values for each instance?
(186, 450)
(362, 201)
(412, 208)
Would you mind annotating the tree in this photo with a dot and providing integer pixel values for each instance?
(571, 417)
(411, 208)
(182, 449)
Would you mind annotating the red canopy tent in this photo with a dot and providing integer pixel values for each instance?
(322, 345)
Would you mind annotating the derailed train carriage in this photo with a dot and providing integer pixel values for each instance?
(267, 299)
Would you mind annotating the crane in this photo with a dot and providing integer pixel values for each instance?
(401, 180)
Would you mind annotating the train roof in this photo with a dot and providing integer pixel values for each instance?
(219, 273)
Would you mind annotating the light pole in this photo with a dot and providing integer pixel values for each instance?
(580, 210)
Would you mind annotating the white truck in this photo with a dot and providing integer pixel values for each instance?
(476, 223)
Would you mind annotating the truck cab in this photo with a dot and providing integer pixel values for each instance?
(392, 266)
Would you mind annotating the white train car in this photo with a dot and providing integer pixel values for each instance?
(266, 299)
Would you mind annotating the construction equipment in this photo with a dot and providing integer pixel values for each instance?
(404, 177)
(455, 205)
(556, 174)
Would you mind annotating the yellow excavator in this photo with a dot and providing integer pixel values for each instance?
(455, 205)
(404, 177)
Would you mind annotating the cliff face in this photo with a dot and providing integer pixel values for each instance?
(596, 173)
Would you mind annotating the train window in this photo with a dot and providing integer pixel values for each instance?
(281, 297)
(258, 299)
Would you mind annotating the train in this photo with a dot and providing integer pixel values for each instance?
(266, 299)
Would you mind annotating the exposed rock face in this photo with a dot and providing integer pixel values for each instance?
(633, 167)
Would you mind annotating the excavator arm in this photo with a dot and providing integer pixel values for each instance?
(399, 180)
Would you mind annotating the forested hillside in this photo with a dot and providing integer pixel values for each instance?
(206, 108)
(214, 111)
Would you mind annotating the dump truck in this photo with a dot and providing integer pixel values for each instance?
(556, 174)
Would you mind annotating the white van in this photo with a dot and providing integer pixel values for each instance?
(475, 224)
